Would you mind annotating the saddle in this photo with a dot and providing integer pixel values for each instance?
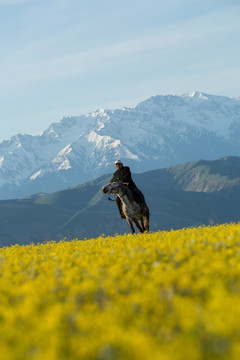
(137, 194)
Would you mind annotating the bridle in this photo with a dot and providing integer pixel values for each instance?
(116, 188)
(114, 196)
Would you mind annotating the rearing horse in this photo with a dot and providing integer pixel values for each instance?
(133, 212)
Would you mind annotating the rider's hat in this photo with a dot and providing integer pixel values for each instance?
(118, 162)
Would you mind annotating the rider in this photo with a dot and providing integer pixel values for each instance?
(123, 175)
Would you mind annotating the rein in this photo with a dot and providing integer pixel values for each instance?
(113, 198)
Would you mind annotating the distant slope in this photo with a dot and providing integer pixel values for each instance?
(202, 192)
(201, 176)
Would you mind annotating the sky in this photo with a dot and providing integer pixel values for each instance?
(69, 57)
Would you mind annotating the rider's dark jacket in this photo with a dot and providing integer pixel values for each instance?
(124, 175)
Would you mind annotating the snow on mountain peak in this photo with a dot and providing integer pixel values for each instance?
(65, 151)
(160, 131)
(1, 160)
(52, 132)
(99, 113)
(196, 95)
(61, 160)
(36, 175)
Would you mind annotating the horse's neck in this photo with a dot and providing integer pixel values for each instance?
(124, 196)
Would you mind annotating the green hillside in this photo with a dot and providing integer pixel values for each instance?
(205, 176)
(196, 193)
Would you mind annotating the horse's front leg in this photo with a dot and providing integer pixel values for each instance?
(130, 225)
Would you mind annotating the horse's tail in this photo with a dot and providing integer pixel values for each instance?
(146, 216)
(145, 210)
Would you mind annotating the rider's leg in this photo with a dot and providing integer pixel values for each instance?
(119, 205)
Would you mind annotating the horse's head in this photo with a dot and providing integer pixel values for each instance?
(111, 188)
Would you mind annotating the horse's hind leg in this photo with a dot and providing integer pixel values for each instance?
(130, 225)
(140, 228)
(146, 223)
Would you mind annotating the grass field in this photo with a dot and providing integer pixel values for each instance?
(165, 295)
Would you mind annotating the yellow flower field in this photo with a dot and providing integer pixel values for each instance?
(166, 295)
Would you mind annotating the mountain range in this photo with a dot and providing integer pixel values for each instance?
(190, 194)
(157, 133)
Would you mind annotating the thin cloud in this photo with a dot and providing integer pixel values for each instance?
(13, 2)
(186, 35)
(168, 42)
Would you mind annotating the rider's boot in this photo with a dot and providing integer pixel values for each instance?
(119, 205)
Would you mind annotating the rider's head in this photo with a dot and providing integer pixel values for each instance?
(118, 164)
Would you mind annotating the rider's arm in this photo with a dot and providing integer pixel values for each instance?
(126, 175)
(113, 178)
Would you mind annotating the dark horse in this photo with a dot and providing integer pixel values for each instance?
(133, 212)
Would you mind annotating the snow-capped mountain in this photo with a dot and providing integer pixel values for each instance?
(159, 132)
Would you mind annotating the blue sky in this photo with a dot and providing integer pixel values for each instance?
(69, 57)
